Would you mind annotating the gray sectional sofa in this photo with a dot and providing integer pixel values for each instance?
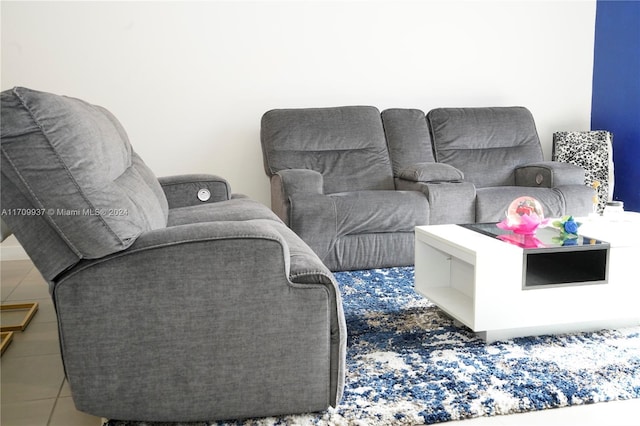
(175, 300)
(354, 182)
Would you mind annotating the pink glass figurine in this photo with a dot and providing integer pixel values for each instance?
(524, 216)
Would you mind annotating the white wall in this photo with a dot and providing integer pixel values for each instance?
(190, 81)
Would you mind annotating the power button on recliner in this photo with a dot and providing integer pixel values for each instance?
(204, 194)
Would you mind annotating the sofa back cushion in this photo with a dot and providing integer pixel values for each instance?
(486, 144)
(73, 164)
(407, 137)
(345, 144)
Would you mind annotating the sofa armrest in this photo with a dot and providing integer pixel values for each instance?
(431, 172)
(301, 180)
(549, 174)
(287, 182)
(449, 202)
(190, 190)
(314, 218)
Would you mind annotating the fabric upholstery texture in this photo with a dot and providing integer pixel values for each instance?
(35, 232)
(322, 220)
(577, 198)
(449, 202)
(431, 172)
(360, 251)
(225, 365)
(325, 166)
(346, 145)
(288, 182)
(5, 232)
(397, 211)
(181, 309)
(331, 179)
(78, 166)
(408, 137)
(492, 203)
(486, 144)
(184, 190)
(549, 174)
(223, 211)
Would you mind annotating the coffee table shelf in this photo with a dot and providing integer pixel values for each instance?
(454, 303)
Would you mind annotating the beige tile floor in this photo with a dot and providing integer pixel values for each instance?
(34, 392)
(33, 389)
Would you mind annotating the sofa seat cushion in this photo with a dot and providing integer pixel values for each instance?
(327, 217)
(365, 212)
(236, 209)
(370, 251)
(492, 203)
(369, 220)
(75, 162)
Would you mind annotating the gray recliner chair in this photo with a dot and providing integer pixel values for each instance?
(175, 300)
(499, 152)
(332, 182)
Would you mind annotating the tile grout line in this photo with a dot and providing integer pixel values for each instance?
(7, 299)
(55, 403)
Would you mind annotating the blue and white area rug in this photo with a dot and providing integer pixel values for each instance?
(409, 364)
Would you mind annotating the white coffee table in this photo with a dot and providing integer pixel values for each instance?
(479, 281)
